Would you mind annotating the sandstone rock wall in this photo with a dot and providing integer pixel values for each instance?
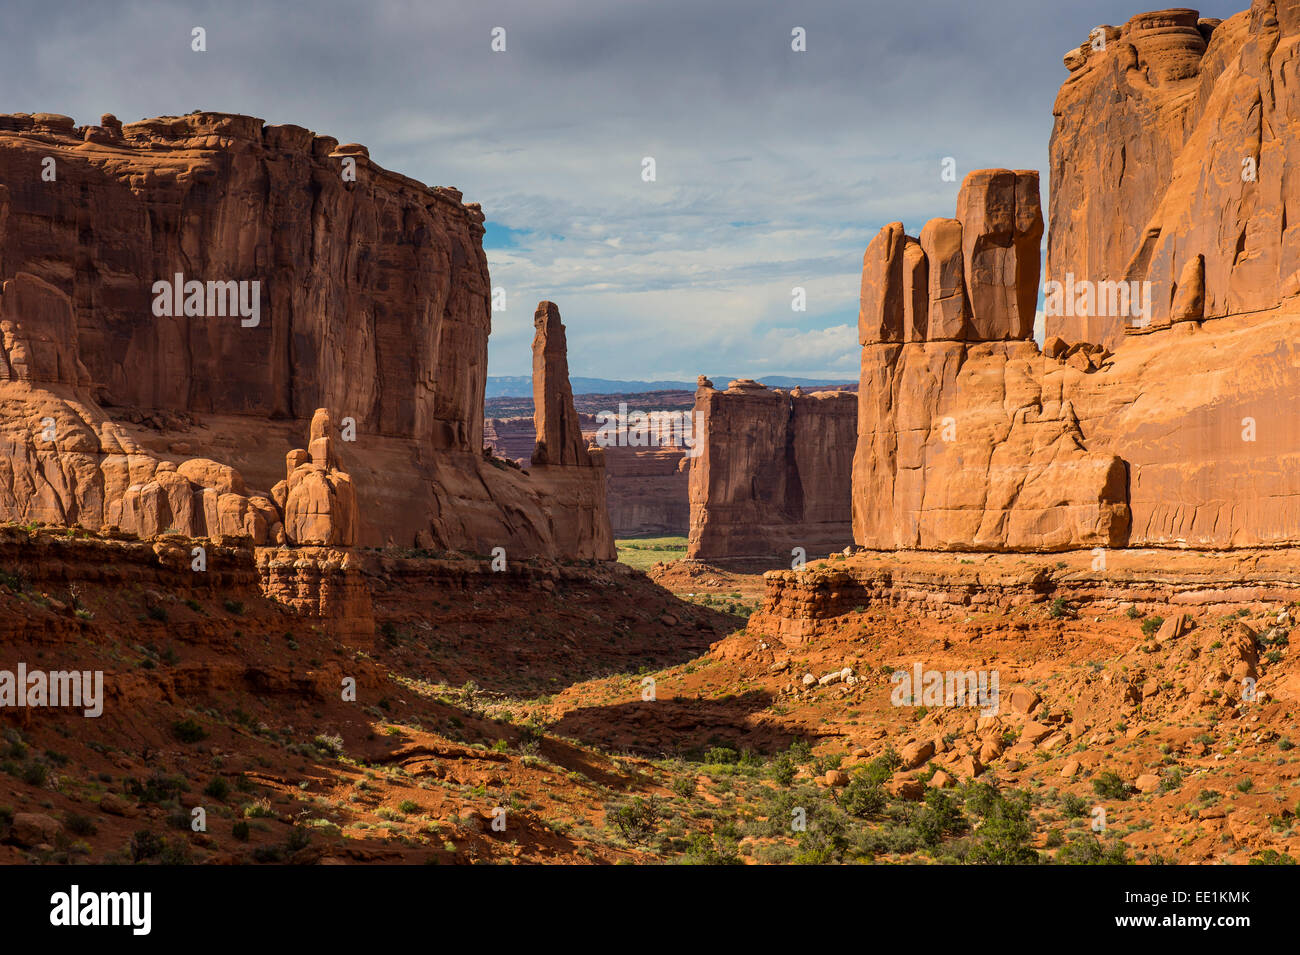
(1177, 433)
(372, 302)
(374, 293)
(1170, 154)
(511, 438)
(960, 445)
(64, 461)
(774, 472)
(648, 491)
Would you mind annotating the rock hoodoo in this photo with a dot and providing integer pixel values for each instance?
(318, 501)
(555, 421)
(573, 473)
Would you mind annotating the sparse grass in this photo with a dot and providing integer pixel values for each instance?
(642, 553)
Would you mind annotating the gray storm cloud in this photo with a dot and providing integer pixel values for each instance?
(774, 168)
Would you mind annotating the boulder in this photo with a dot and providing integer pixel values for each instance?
(31, 829)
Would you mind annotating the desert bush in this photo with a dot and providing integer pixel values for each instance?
(637, 820)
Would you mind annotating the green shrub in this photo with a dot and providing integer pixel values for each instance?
(1074, 806)
(79, 825)
(637, 820)
(1111, 786)
(1005, 834)
(685, 786)
(863, 797)
(1088, 850)
(145, 845)
(721, 756)
(1271, 857)
(189, 730)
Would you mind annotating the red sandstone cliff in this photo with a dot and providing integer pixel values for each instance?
(1182, 435)
(372, 295)
(960, 447)
(1169, 165)
(773, 473)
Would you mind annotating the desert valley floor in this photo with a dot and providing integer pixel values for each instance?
(522, 697)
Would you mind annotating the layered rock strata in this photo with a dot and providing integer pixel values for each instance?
(961, 443)
(773, 473)
(801, 605)
(241, 275)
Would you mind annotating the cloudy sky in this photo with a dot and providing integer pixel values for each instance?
(773, 168)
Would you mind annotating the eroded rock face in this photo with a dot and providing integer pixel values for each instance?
(371, 298)
(774, 472)
(966, 447)
(63, 461)
(972, 278)
(322, 583)
(960, 445)
(1001, 227)
(1170, 145)
(1174, 433)
(373, 294)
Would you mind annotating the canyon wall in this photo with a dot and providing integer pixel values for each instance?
(960, 446)
(774, 472)
(1169, 160)
(365, 293)
(648, 491)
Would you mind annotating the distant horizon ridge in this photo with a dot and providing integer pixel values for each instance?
(521, 386)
